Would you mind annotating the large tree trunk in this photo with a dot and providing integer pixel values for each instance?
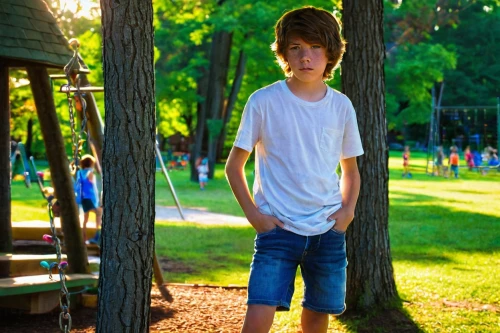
(233, 95)
(370, 278)
(5, 192)
(128, 167)
(59, 170)
(219, 64)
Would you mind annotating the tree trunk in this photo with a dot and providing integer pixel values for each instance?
(5, 190)
(201, 116)
(59, 170)
(219, 64)
(235, 89)
(370, 278)
(128, 167)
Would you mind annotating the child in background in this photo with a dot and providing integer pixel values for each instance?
(203, 170)
(90, 196)
(406, 162)
(469, 158)
(439, 161)
(454, 161)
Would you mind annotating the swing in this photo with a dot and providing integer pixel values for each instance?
(72, 70)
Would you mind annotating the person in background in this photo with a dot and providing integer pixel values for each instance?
(469, 158)
(90, 196)
(439, 161)
(454, 161)
(203, 170)
(406, 162)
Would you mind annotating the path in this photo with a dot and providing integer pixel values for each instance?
(198, 216)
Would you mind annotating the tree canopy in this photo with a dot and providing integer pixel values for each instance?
(427, 42)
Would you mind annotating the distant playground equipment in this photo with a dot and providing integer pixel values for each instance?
(473, 126)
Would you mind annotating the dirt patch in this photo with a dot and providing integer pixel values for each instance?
(172, 266)
(195, 309)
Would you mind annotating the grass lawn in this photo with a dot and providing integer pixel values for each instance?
(445, 243)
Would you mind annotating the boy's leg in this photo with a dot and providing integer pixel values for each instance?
(98, 217)
(271, 284)
(314, 322)
(259, 318)
(324, 273)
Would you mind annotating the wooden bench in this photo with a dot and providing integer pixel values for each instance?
(38, 294)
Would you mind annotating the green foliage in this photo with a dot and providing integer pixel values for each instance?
(410, 75)
(183, 37)
(432, 41)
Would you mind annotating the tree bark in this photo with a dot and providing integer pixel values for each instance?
(370, 278)
(5, 190)
(201, 116)
(128, 167)
(59, 170)
(233, 95)
(219, 64)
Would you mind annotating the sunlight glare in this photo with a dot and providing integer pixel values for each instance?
(88, 8)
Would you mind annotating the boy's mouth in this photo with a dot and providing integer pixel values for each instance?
(306, 69)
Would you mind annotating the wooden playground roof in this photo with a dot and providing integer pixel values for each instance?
(29, 34)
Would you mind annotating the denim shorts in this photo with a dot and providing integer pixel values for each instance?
(322, 260)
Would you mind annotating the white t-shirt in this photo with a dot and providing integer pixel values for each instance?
(298, 147)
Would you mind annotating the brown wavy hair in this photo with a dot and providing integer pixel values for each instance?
(313, 25)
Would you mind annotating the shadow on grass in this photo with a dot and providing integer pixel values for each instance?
(432, 230)
(394, 320)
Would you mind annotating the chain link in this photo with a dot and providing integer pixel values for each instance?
(64, 295)
(77, 140)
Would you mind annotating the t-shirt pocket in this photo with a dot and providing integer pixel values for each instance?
(331, 140)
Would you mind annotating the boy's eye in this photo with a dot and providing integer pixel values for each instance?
(316, 46)
(294, 47)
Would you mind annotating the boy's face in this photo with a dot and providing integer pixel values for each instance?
(307, 61)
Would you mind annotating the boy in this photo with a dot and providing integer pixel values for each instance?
(301, 130)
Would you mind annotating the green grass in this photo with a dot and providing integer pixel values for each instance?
(444, 234)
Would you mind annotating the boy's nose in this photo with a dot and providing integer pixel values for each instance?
(305, 56)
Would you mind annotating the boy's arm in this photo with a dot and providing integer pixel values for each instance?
(235, 173)
(349, 187)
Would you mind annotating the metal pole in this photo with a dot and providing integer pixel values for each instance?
(165, 172)
(498, 125)
(430, 142)
(438, 116)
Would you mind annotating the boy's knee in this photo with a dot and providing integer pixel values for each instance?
(259, 318)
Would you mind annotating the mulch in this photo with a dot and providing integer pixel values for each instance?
(194, 309)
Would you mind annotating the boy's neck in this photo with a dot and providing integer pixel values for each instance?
(308, 91)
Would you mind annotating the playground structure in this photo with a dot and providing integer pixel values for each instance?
(31, 39)
(472, 122)
(22, 284)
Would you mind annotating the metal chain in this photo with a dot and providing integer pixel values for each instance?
(64, 300)
(77, 140)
